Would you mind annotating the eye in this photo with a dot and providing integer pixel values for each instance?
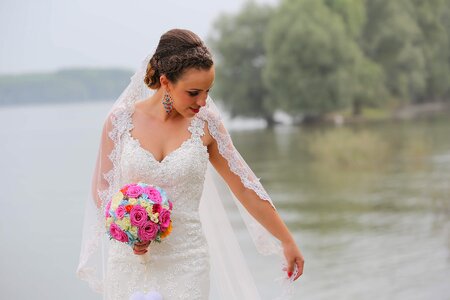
(193, 94)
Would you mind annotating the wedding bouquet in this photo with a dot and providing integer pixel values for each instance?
(139, 212)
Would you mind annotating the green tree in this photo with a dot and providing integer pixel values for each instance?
(393, 39)
(314, 64)
(369, 87)
(353, 13)
(237, 41)
(433, 19)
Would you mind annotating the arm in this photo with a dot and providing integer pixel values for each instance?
(262, 210)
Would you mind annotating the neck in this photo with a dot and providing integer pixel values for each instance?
(156, 108)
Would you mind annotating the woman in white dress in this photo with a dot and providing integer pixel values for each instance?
(165, 130)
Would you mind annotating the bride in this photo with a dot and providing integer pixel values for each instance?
(165, 130)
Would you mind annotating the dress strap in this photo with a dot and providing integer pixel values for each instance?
(196, 127)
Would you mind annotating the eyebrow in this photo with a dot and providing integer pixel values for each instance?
(198, 90)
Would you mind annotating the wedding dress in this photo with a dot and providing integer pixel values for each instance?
(201, 257)
(178, 268)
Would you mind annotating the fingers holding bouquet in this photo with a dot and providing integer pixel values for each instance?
(141, 248)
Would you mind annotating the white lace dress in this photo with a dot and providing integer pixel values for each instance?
(179, 266)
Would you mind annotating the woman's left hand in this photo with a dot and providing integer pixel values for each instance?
(293, 257)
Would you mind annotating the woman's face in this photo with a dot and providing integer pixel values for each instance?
(189, 93)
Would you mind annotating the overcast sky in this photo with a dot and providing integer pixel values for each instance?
(45, 35)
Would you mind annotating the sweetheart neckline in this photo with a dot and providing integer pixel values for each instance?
(150, 154)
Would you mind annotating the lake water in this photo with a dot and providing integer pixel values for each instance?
(369, 206)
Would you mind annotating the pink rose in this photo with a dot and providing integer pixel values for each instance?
(120, 212)
(118, 233)
(170, 204)
(164, 218)
(138, 216)
(148, 232)
(126, 186)
(134, 191)
(108, 206)
(153, 195)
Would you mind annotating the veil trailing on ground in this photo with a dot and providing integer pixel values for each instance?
(230, 275)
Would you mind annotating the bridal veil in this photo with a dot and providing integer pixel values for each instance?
(230, 274)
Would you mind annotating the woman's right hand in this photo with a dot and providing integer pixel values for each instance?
(141, 248)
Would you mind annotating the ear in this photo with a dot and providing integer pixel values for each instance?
(165, 82)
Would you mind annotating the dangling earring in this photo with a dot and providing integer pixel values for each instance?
(167, 102)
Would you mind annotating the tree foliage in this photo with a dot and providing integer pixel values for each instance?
(238, 44)
(319, 56)
(315, 64)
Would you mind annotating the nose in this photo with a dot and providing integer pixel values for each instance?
(202, 101)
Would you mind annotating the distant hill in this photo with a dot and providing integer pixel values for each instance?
(67, 85)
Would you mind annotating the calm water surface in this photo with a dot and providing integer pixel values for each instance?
(369, 206)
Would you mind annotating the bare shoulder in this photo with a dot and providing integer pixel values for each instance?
(139, 107)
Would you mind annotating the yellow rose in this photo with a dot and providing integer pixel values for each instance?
(132, 201)
(109, 221)
(120, 223)
(149, 210)
(125, 223)
(133, 230)
(116, 199)
(154, 217)
(145, 205)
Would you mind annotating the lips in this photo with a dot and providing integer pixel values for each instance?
(195, 110)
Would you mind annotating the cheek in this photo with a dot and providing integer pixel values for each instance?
(184, 101)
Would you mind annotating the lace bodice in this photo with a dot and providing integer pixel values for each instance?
(181, 173)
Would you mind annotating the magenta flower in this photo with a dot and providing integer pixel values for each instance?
(134, 191)
(164, 218)
(108, 206)
(118, 233)
(126, 186)
(120, 212)
(138, 216)
(153, 195)
(148, 232)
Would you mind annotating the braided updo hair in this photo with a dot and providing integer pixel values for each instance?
(177, 51)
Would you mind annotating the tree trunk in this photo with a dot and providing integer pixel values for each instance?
(356, 108)
(269, 120)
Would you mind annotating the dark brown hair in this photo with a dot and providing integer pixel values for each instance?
(177, 51)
